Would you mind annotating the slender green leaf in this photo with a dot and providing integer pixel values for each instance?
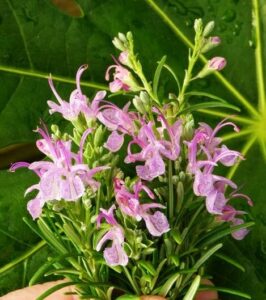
(43, 269)
(128, 297)
(219, 235)
(230, 261)
(193, 288)
(157, 75)
(225, 290)
(56, 288)
(166, 287)
(146, 265)
(205, 105)
(172, 72)
(205, 94)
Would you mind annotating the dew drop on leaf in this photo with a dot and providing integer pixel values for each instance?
(229, 15)
(178, 7)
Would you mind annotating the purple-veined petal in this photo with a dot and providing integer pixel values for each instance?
(115, 255)
(215, 202)
(116, 85)
(241, 233)
(71, 188)
(35, 208)
(203, 184)
(114, 141)
(153, 168)
(157, 224)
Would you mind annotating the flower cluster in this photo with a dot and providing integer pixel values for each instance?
(139, 174)
(204, 153)
(65, 177)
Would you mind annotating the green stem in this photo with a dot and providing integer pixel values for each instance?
(42, 75)
(23, 257)
(258, 55)
(184, 39)
(171, 190)
(188, 75)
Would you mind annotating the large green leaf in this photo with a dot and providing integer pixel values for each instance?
(37, 38)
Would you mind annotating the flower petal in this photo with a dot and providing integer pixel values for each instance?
(114, 141)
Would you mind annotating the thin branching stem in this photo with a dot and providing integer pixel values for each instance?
(231, 88)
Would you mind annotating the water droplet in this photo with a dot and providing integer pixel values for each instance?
(196, 12)
(229, 15)
(203, 83)
(137, 23)
(237, 29)
(209, 8)
(189, 22)
(221, 27)
(251, 44)
(178, 7)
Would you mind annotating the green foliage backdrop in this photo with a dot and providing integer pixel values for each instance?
(38, 38)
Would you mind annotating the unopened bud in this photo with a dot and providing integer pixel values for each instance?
(124, 59)
(188, 130)
(122, 37)
(198, 25)
(208, 28)
(215, 64)
(139, 105)
(118, 44)
(211, 43)
(98, 136)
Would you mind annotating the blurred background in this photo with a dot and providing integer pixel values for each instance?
(38, 37)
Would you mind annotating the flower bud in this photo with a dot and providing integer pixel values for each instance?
(118, 44)
(208, 28)
(139, 105)
(56, 131)
(215, 64)
(122, 37)
(124, 58)
(98, 136)
(210, 43)
(188, 130)
(198, 25)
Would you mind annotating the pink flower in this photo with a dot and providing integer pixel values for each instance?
(122, 78)
(119, 121)
(154, 147)
(78, 102)
(64, 177)
(229, 215)
(114, 255)
(129, 203)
